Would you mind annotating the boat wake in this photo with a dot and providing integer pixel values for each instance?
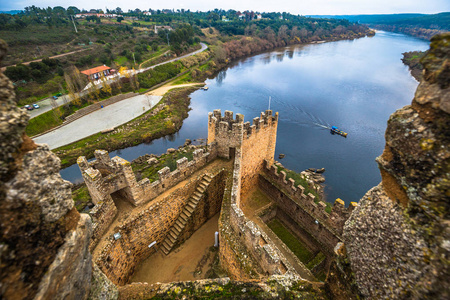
(290, 109)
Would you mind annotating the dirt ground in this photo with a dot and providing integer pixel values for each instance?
(190, 261)
(165, 88)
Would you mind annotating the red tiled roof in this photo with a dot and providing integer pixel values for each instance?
(95, 70)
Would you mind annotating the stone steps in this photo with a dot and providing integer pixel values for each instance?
(185, 215)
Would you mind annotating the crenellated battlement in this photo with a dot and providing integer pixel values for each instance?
(104, 176)
(307, 202)
(226, 123)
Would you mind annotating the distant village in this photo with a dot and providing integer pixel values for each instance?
(225, 16)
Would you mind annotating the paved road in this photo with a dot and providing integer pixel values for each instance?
(46, 104)
(110, 116)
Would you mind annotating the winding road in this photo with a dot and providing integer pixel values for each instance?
(46, 104)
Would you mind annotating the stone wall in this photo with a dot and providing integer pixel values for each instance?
(274, 288)
(257, 141)
(104, 176)
(258, 145)
(225, 131)
(399, 235)
(102, 216)
(312, 217)
(208, 206)
(120, 258)
(239, 231)
(43, 239)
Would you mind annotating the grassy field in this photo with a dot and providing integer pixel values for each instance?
(44, 122)
(81, 197)
(305, 256)
(120, 60)
(150, 59)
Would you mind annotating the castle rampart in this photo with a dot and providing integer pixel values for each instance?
(104, 176)
(246, 233)
(301, 207)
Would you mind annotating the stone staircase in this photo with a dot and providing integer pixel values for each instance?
(185, 215)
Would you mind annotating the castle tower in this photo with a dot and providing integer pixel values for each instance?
(257, 141)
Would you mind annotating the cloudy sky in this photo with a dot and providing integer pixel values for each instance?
(302, 7)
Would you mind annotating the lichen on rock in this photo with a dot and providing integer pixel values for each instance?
(382, 247)
(13, 121)
(43, 240)
(397, 239)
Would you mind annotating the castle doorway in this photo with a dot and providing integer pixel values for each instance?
(232, 152)
(121, 201)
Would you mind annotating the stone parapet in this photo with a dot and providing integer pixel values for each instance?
(339, 213)
(102, 216)
(104, 176)
(255, 240)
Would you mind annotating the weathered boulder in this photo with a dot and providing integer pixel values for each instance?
(13, 121)
(69, 276)
(43, 239)
(398, 238)
(102, 288)
(152, 161)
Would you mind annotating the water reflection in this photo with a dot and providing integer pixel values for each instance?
(221, 77)
(279, 57)
(290, 54)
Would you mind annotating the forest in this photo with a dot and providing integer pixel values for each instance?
(419, 25)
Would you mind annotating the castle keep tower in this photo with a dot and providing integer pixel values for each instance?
(255, 142)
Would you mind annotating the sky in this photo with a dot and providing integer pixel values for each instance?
(302, 7)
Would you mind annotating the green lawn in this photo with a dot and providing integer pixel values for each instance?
(42, 123)
(81, 197)
(290, 240)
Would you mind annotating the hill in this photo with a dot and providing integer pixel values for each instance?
(419, 25)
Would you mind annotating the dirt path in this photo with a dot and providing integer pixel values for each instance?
(140, 66)
(188, 262)
(165, 88)
(55, 56)
(130, 212)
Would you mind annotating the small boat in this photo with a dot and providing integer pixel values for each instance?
(205, 88)
(335, 130)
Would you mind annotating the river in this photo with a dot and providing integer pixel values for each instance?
(354, 85)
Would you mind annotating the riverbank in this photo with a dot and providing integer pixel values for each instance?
(164, 119)
(412, 60)
(134, 133)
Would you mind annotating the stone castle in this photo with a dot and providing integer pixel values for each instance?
(393, 244)
(250, 148)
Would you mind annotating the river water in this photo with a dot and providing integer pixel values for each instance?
(354, 85)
